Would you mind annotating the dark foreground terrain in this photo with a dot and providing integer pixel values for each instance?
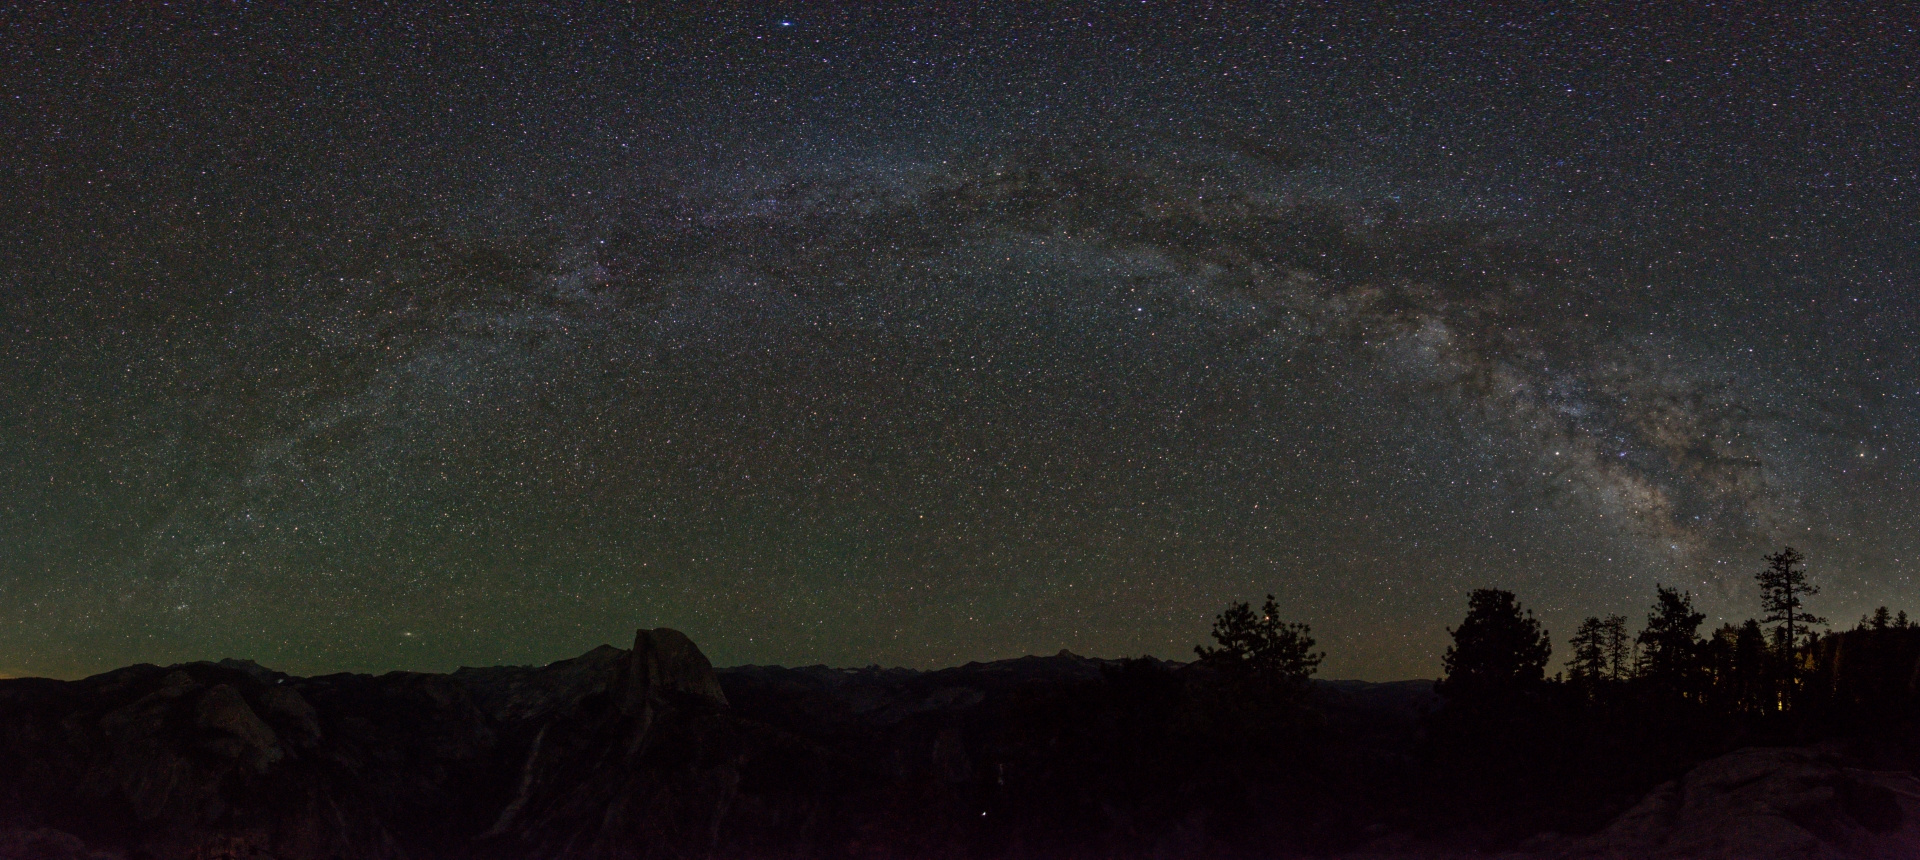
(651, 753)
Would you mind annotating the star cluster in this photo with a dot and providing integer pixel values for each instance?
(413, 338)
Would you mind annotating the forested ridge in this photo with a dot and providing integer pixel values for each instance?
(1775, 737)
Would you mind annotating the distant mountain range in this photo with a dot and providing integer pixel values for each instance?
(650, 752)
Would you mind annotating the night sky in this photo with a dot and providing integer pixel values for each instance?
(363, 340)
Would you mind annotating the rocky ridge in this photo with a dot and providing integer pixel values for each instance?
(651, 752)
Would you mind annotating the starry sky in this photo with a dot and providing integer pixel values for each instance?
(414, 337)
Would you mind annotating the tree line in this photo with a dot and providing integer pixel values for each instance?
(1771, 664)
(1748, 667)
(1631, 707)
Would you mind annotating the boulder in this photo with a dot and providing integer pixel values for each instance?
(1767, 804)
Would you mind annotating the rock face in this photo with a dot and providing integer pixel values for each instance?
(231, 760)
(613, 754)
(665, 662)
(582, 758)
(45, 844)
(651, 761)
(514, 696)
(1767, 804)
(651, 752)
(238, 733)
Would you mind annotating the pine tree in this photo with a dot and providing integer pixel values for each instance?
(1718, 657)
(1783, 592)
(1589, 664)
(1670, 646)
(1619, 648)
(1275, 655)
(1752, 675)
(1499, 649)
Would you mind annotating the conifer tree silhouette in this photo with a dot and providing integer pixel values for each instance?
(1670, 646)
(1277, 656)
(1498, 649)
(1783, 592)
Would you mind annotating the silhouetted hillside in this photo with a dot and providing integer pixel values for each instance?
(649, 752)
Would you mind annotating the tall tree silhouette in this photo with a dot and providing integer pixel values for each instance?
(1751, 674)
(1588, 666)
(1783, 591)
(1498, 649)
(1670, 646)
(1618, 647)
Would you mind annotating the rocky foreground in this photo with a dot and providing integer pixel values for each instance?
(650, 752)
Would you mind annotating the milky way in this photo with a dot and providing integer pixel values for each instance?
(415, 341)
